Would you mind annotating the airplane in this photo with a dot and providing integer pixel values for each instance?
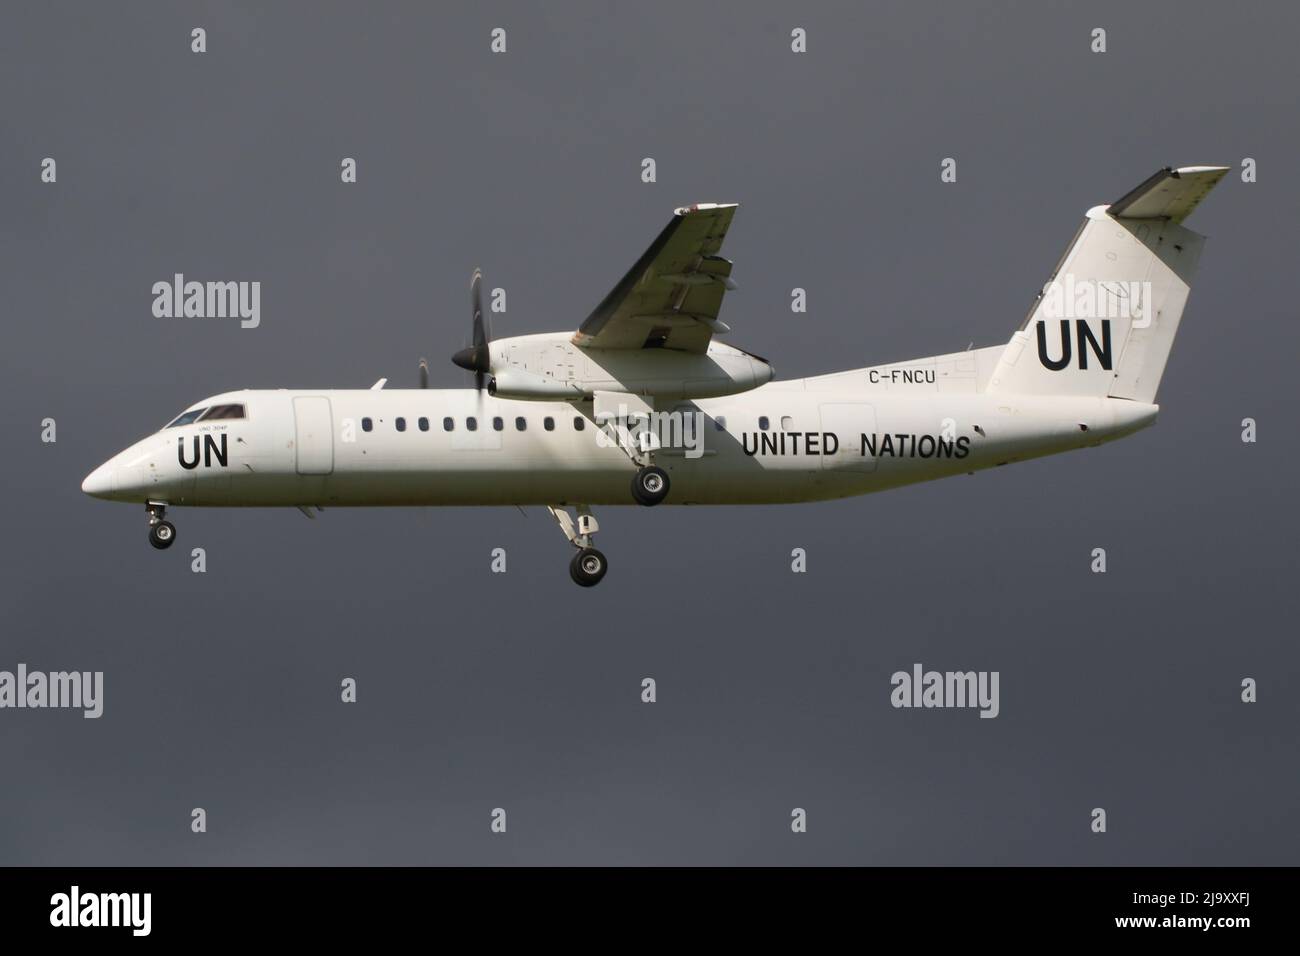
(643, 404)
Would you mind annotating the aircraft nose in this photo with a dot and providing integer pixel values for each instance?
(99, 483)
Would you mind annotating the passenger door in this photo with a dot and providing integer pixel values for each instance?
(314, 434)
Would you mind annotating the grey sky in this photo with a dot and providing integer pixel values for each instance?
(519, 690)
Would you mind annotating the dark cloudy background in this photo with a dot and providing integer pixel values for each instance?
(520, 690)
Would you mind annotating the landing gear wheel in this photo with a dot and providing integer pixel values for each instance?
(162, 534)
(588, 567)
(650, 486)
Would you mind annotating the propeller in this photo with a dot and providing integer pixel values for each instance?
(424, 373)
(477, 358)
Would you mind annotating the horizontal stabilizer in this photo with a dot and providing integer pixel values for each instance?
(1170, 194)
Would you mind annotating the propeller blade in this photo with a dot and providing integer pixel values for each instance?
(482, 333)
(424, 373)
(476, 305)
(478, 357)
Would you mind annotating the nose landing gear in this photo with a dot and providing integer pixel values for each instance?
(588, 565)
(162, 533)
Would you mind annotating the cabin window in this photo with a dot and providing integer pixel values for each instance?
(471, 423)
(367, 424)
(448, 424)
(579, 423)
(222, 412)
(185, 418)
(520, 424)
(548, 423)
(762, 423)
(401, 424)
(787, 423)
(424, 424)
(498, 424)
(720, 423)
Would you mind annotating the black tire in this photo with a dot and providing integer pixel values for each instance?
(588, 567)
(650, 486)
(162, 535)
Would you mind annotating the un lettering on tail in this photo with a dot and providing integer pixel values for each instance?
(1105, 321)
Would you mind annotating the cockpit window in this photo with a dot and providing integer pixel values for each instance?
(185, 418)
(223, 411)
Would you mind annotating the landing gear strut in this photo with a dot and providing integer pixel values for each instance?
(162, 533)
(588, 565)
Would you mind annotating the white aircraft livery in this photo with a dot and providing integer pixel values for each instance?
(643, 405)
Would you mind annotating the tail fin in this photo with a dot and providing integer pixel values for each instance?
(1106, 319)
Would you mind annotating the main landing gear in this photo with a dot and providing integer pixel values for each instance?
(162, 533)
(650, 485)
(588, 565)
(639, 444)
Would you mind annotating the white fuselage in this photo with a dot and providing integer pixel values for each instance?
(831, 436)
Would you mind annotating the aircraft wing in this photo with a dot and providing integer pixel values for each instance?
(671, 297)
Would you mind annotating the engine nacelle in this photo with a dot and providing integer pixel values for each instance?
(549, 367)
(515, 382)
